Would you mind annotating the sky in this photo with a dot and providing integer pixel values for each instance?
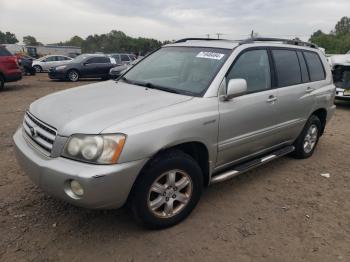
(52, 21)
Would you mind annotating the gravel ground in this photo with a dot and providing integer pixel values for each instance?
(283, 211)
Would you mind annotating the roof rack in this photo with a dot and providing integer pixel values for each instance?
(285, 41)
(200, 39)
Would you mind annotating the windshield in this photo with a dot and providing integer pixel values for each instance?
(184, 70)
(79, 58)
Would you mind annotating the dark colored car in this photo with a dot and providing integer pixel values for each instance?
(26, 63)
(84, 66)
(9, 68)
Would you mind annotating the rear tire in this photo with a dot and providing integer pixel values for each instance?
(73, 75)
(307, 141)
(2, 83)
(38, 69)
(167, 190)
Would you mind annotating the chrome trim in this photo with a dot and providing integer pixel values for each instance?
(42, 134)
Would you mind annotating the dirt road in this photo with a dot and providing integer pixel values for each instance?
(283, 211)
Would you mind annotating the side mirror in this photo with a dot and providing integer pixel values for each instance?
(235, 87)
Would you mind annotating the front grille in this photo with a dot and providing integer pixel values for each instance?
(40, 133)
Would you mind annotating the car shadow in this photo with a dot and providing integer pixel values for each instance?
(11, 87)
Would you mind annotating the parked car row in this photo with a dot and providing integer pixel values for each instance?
(63, 67)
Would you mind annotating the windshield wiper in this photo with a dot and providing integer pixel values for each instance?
(157, 87)
(162, 88)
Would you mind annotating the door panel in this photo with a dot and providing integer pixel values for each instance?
(294, 93)
(248, 124)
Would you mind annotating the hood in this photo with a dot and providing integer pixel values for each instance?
(92, 108)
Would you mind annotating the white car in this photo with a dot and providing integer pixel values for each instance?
(46, 62)
(341, 75)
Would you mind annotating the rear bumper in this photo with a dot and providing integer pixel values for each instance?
(105, 186)
(13, 75)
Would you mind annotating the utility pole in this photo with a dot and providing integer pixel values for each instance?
(252, 34)
(208, 36)
(219, 34)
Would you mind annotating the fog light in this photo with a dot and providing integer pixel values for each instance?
(76, 188)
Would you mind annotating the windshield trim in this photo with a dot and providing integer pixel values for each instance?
(201, 94)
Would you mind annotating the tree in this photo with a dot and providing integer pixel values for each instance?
(31, 40)
(337, 41)
(343, 26)
(8, 38)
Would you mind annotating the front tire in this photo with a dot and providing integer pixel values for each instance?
(307, 141)
(167, 190)
(73, 75)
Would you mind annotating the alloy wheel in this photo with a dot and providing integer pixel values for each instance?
(310, 139)
(170, 193)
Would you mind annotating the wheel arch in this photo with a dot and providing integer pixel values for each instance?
(321, 113)
(196, 149)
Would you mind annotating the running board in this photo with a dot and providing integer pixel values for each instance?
(239, 169)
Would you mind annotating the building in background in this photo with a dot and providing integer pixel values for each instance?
(38, 51)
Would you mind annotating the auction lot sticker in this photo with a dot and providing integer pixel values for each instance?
(210, 55)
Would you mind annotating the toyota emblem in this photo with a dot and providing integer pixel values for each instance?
(33, 131)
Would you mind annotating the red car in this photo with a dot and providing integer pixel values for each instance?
(9, 68)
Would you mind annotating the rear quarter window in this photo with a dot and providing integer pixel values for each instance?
(287, 67)
(314, 63)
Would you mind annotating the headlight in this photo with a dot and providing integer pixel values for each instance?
(61, 67)
(98, 149)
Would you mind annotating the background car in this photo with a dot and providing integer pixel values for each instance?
(84, 66)
(117, 71)
(122, 59)
(46, 62)
(25, 63)
(341, 75)
(9, 68)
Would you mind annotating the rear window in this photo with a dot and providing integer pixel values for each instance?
(316, 68)
(4, 51)
(287, 67)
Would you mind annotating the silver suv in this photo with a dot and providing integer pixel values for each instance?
(191, 114)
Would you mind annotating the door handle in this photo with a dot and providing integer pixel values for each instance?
(309, 89)
(271, 99)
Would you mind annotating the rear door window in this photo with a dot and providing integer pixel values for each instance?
(315, 66)
(287, 67)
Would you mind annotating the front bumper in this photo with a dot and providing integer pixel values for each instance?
(339, 94)
(57, 75)
(105, 186)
